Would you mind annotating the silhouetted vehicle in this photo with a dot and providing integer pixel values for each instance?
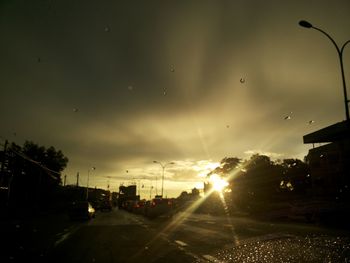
(139, 207)
(81, 210)
(106, 206)
(158, 207)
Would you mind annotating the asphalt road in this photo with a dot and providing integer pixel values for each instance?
(119, 236)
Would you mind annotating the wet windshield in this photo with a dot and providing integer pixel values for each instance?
(174, 131)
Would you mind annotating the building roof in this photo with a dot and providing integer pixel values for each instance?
(336, 132)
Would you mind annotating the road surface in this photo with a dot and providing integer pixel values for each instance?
(119, 236)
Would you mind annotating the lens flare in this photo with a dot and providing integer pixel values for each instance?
(218, 183)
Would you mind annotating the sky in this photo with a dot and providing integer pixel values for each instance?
(116, 85)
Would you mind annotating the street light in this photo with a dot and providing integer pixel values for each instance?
(163, 166)
(87, 185)
(306, 24)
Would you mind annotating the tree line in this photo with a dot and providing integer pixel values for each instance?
(30, 174)
(259, 182)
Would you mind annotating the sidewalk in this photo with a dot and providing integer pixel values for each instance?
(30, 238)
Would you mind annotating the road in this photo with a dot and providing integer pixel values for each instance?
(119, 236)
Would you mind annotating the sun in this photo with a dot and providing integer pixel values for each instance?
(218, 183)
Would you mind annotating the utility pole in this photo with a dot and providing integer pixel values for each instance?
(3, 163)
(78, 179)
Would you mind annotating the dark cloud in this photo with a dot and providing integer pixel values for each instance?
(57, 56)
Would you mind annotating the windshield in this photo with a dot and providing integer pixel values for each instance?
(192, 131)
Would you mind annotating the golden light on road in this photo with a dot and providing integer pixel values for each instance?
(218, 183)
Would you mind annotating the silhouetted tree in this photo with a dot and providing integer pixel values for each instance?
(227, 165)
(35, 173)
(295, 176)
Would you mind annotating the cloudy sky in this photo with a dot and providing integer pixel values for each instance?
(118, 84)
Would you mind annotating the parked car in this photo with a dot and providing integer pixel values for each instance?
(81, 210)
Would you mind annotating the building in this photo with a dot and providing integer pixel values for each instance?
(330, 162)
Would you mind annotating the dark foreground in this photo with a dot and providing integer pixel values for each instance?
(119, 236)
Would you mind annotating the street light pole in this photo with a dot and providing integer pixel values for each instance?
(87, 185)
(306, 24)
(163, 167)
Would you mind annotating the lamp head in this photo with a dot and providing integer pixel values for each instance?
(304, 23)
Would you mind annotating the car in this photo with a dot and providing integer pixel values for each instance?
(158, 207)
(106, 206)
(81, 210)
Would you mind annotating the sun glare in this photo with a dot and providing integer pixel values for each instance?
(218, 183)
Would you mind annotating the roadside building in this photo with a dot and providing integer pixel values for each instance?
(330, 161)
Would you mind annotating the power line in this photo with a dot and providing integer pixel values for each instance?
(48, 170)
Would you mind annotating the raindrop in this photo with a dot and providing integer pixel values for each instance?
(287, 117)
(146, 248)
(107, 29)
(242, 80)
(227, 126)
(130, 88)
(308, 175)
(164, 92)
(321, 155)
(311, 122)
(172, 69)
(75, 109)
(127, 171)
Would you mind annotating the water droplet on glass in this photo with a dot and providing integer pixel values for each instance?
(227, 126)
(107, 29)
(308, 175)
(172, 69)
(311, 122)
(146, 248)
(287, 117)
(75, 109)
(130, 88)
(127, 171)
(164, 92)
(242, 80)
(321, 155)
